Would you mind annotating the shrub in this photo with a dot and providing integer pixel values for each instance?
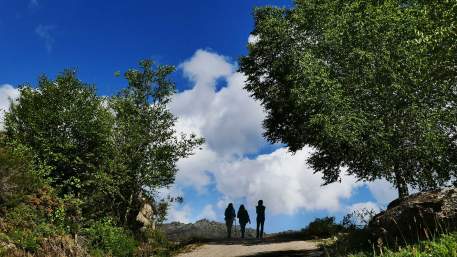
(107, 239)
(156, 243)
(355, 241)
(323, 227)
(445, 246)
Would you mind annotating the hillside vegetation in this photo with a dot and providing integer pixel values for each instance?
(76, 168)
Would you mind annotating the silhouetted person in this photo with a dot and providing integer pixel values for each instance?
(243, 217)
(229, 217)
(260, 210)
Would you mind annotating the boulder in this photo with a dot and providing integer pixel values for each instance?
(416, 217)
(146, 216)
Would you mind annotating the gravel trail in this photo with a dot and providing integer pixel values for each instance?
(255, 248)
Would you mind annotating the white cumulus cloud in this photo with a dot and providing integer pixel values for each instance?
(229, 119)
(207, 213)
(253, 39)
(179, 213)
(382, 191)
(363, 212)
(231, 122)
(284, 181)
(369, 206)
(7, 93)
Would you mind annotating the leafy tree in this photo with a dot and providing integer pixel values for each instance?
(18, 176)
(111, 153)
(66, 126)
(146, 143)
(371, 85)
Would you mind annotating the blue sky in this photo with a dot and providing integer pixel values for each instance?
(204, 39)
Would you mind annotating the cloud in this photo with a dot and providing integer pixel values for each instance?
(179, 213)
(207, 213)
(363, 212)
(357, 207)
(195, 170)
(382, 191)
(231, 122)
(284, 181)
(198, 70)
(253, 39)
(229, 119)
(7, 93)
(44, 32)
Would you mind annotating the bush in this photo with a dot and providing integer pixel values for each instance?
(26, 227)
(107, 239)
(356, 240)
(155, 243)
(445, 246)
(323, 227)
(30, 239)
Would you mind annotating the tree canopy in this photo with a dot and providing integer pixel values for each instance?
(109, 153)
(67, 127)
(371, 85)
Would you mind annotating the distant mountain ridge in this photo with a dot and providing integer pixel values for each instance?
(202, 230)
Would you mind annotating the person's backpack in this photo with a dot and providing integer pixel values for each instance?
(229, 214)
(243, 216)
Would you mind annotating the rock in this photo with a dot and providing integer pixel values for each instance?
(145, 216)
(416, 217)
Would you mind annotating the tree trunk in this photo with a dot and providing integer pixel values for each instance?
(127, 211)
(402, 186)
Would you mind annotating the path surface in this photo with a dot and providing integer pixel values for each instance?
(255, 248)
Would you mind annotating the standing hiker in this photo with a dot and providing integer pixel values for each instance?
(243, 217)
(260, 210)
(229, 217)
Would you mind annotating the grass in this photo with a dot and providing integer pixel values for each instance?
(444, 246)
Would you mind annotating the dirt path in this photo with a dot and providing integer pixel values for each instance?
(255, 248)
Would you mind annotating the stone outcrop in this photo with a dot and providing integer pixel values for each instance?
(416, 217)
(146, 216)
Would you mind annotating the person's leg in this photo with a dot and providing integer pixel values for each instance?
(261, 228)
(257, 229)
(243, 229)
(229, 228)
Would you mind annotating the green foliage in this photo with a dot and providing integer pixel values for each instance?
(323, 228)
(66, 126)
(27, 227)
(445, 246)
(26, 204)
(320, 228)
(102, 155)
(107, 239)
(18, 175)
(157, 244)
(371, 85)
(72, 162)
(147, 145)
